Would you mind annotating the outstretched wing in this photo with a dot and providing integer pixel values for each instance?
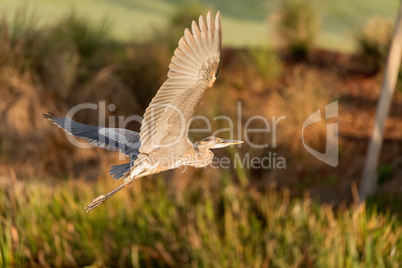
(115, 139)
(192, 72)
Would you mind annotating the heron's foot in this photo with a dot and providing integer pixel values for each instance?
(95, 203)
(102, 198)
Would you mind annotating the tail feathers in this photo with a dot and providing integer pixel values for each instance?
(119, 170)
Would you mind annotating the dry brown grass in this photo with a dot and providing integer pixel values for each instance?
(306, 92)
(55, 69)
(129, 75)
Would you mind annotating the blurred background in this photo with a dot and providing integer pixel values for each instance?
(279, 57)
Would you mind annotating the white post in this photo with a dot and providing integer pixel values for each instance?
(369, 180)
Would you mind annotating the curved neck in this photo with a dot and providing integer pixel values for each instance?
(203, 156)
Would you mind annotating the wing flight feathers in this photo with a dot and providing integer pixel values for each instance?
(191, 73)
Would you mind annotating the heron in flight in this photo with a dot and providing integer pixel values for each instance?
(162, 143)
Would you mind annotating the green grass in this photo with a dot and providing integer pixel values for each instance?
(229, 226)
(245, 22)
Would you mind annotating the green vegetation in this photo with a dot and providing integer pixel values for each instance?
(266, 62)
(374, 39)
(86, 36)
(298, 26)
(181, 18)
(228, 226)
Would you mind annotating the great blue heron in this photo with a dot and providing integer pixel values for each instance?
(162, 143)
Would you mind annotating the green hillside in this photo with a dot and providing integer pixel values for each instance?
(245, 22)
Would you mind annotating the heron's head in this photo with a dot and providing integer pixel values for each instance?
(215, 143)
